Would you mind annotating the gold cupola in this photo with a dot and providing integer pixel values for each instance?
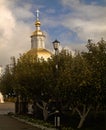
(37, 37)
(37, 32)
(38, 41)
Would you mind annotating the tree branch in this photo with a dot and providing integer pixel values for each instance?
(78, 112)
(84, 109)
(39, 105)
(88, 110)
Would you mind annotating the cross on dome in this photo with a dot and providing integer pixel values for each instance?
(37, 14)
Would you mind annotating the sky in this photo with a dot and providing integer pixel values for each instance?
(72, 22)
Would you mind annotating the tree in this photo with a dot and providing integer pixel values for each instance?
(91, 84)
(23, 73)
(82, 90)
(7, 82)
(76, 86)
(33, 78)
(78, 83)
(96, 57)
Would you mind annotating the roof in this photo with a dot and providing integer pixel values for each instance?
(40, 50)
(41, 53)
(38, 33)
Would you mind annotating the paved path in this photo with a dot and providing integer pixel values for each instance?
(7, 107)
(9, 123)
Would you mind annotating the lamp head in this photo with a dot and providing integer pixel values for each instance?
(56, 44)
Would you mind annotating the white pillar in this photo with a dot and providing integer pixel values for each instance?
(1, 98)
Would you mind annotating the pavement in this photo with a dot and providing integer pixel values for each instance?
(12, 123)
(9, 123)
(7, 107)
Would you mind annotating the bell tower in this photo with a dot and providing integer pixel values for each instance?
(37, 37)
(38, 41)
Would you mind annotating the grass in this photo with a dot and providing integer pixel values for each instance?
(36, 121)
(95, 121)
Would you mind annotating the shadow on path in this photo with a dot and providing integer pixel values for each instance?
(9, 123)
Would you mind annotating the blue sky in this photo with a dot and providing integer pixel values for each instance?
(72, 22)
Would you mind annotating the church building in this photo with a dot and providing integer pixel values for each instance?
(38, 41)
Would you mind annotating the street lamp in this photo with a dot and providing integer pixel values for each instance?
(56, 44)
(57, 120)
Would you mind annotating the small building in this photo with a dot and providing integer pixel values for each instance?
(1, 96)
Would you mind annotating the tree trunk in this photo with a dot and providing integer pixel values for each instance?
(82, 115)
(44, 109)
(45, 114)
(82, 119)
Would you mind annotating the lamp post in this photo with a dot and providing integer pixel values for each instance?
(56, 44)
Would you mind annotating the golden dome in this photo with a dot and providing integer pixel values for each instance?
(38, 33)
(41, 53)
(37, 23)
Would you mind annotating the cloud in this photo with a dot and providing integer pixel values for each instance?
(80, 22)
(14, 31)
(86, 20)
(7, 22)
(16, 18)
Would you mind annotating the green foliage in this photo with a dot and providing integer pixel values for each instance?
(67, 128)
(35, 121)
(6, 84)
(96, 58)
(80, 80)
